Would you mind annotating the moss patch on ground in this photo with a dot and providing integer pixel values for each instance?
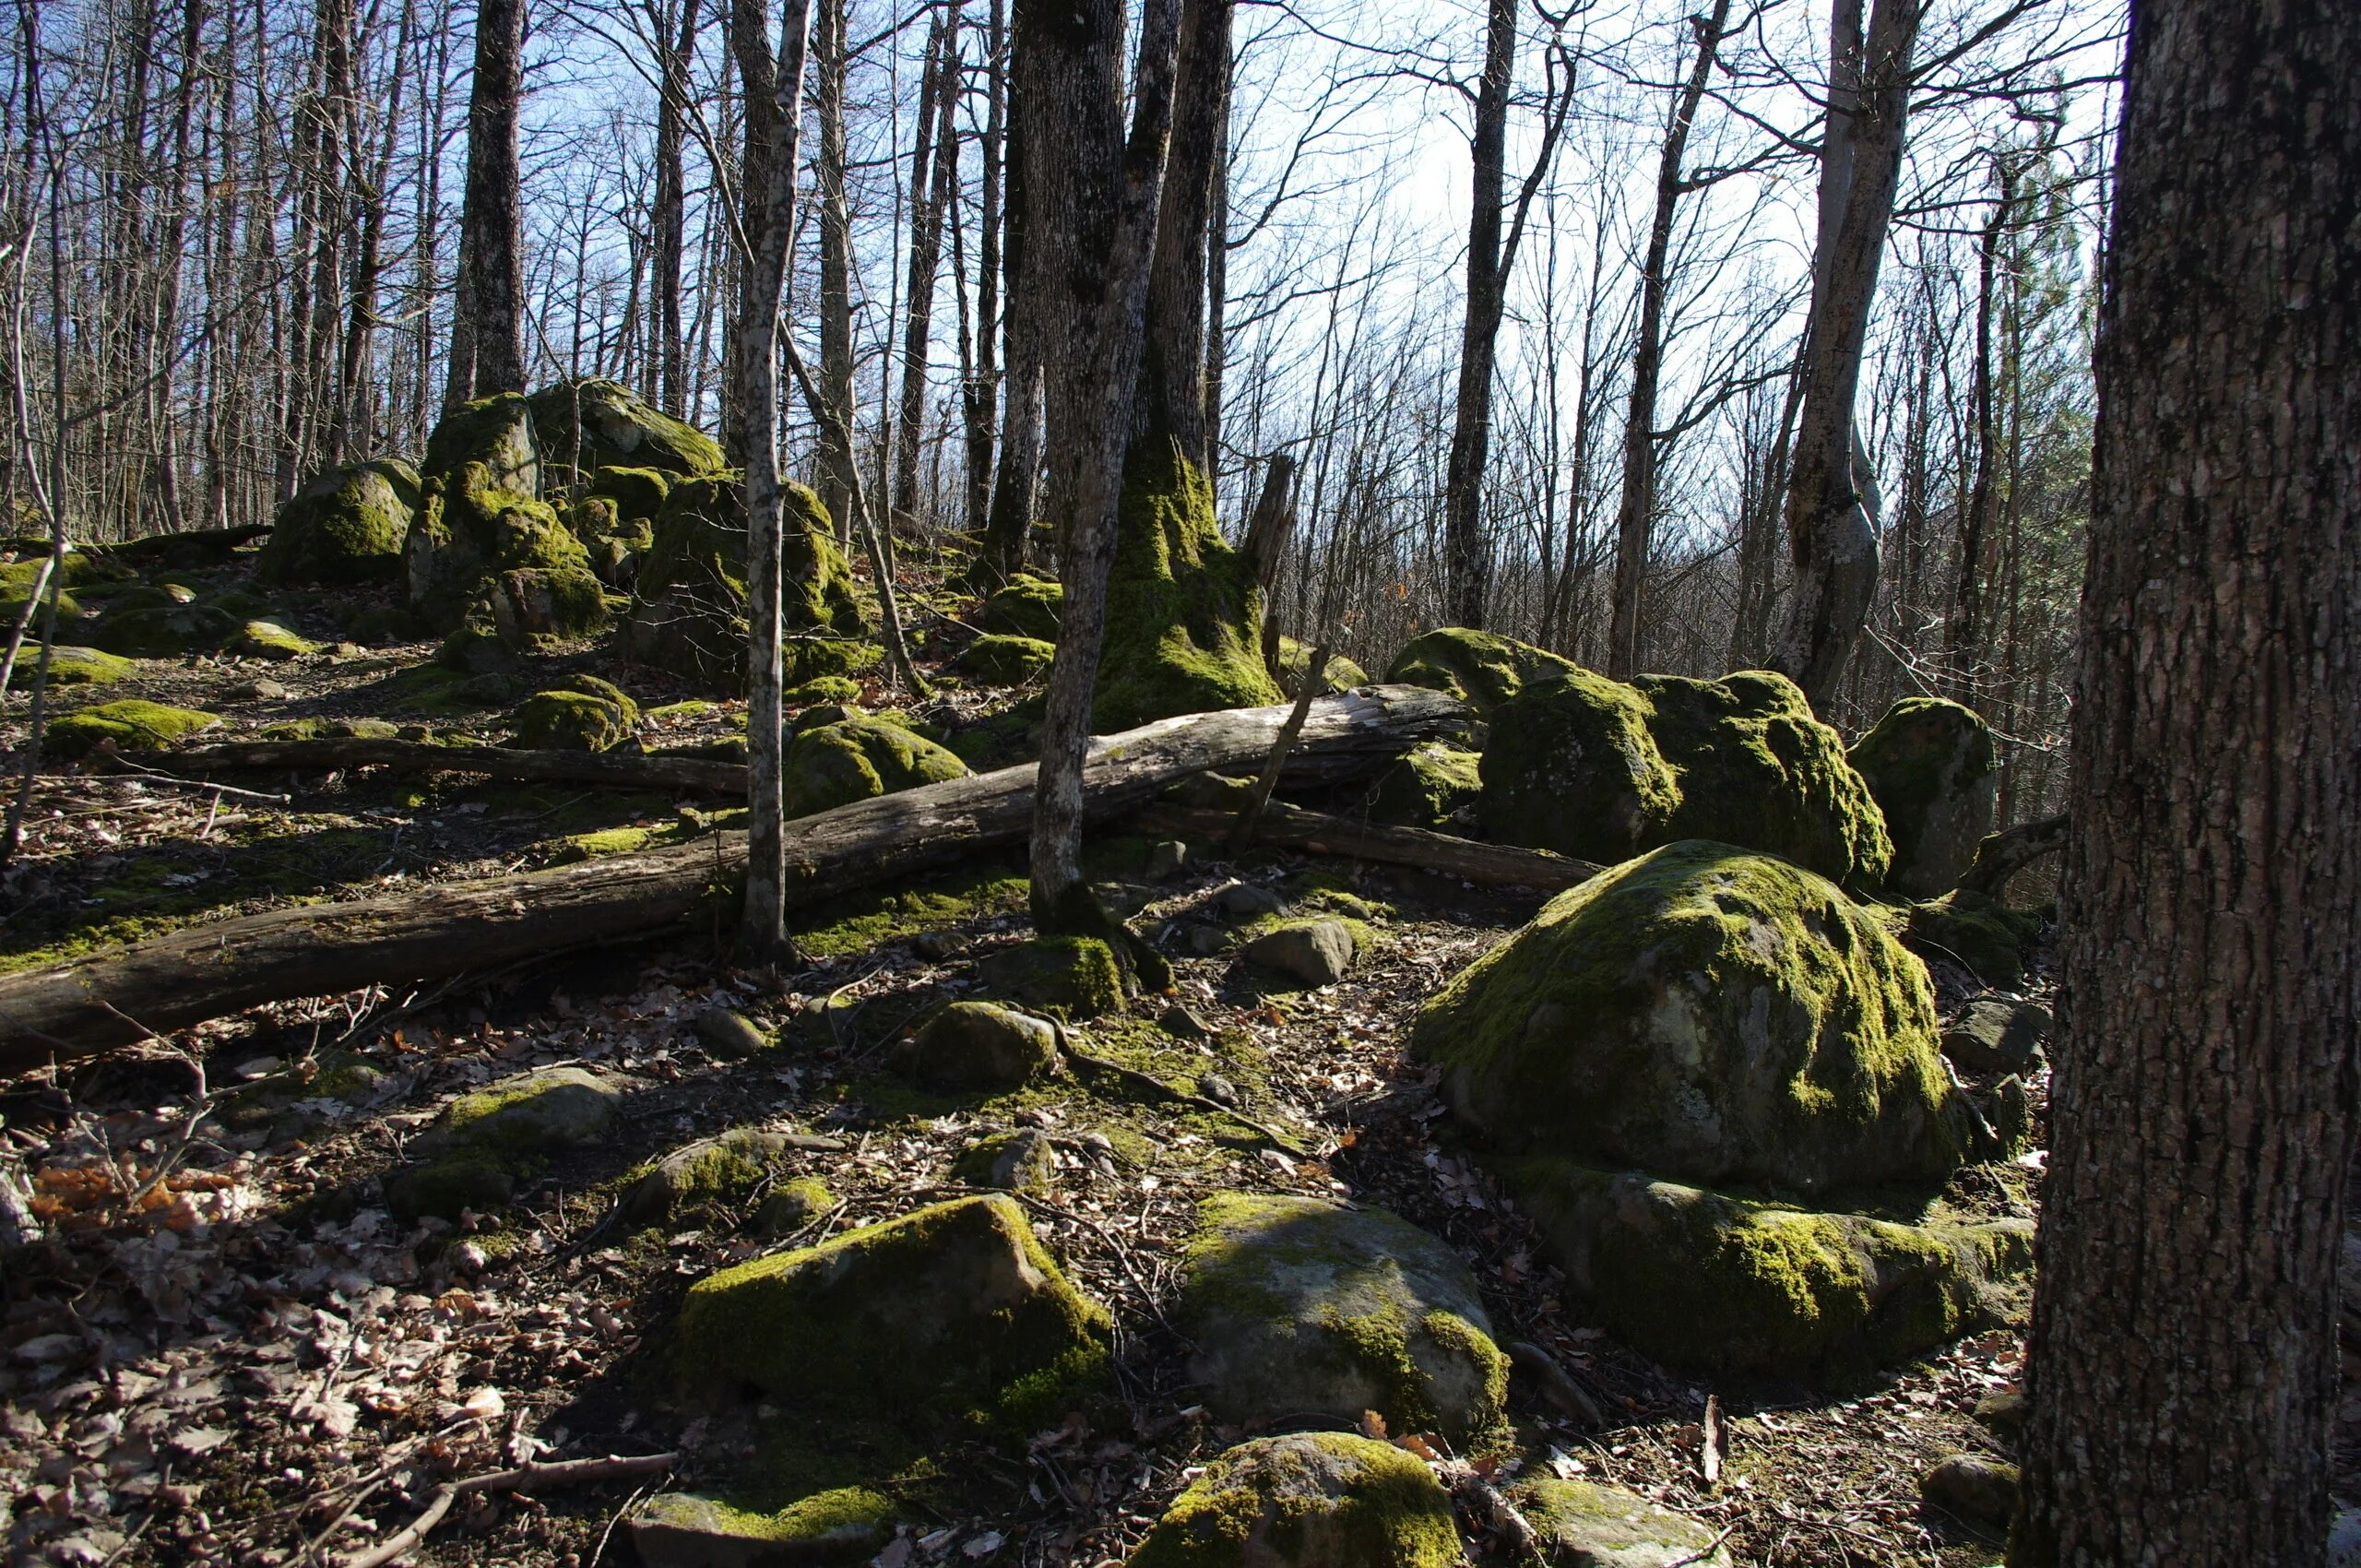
(131, 725)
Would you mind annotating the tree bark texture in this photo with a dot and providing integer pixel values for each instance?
(934, 166)
(78, 1009)
(2184, 1364)
(671, 203)
(1284, 826)
(1466, 560)
(1172, 367)
(1831, 530)
(488, 319)
(836, 458)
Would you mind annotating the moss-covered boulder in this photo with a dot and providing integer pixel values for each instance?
(688, 609)
(584, 715)
(127, 726)
(723, 1169)
(1973, 931)
(855, 758)
(1019, 1162)
(268, 639)
(1007, 661)
(1309, 1500)
(953, 1310)
(1709, 1014)
(682, 1529)
(164, 621)
(1299, 1306)
(1027, 606)
(592, 424)
(1074, 977)
(1720, 1285)
(90, 576)
(1587, 1526)
(1434, 786)
(790, 1206)
(1602, 770)
(635, 493)
(1294, 657)
(1931, 766)
(69, 667)
(982, 1047)
(483, 1143)
(1481, 668)
(1303, 952)
(346, 526)
(1184, 614)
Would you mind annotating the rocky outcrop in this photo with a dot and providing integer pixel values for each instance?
(591, 424)
(1931, 766)
(1481, 668)
(1436, 788)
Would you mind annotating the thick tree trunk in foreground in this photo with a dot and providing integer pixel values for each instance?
(78, 1009)
(1466, 566)
(488, 314)
(2184, 1362)
(1832, 523)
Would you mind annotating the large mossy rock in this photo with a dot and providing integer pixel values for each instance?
(69, 666)
(585, 714)
(1309, 1500)
(1027, 606)
(1007, 661)
(1720, 1285)
(167, 621)
(688, 611)
(1074, 977)
(1602, 770)
(485, 1143)
(682, 1529)
(1294, 658)
(88, 576)
(1435, 787)
(1184, 614)
(346, 526)
(952, 1310)
(857, 756)
(593, 424)
(1931, 766)
(128, 726)
(1709, 1014)
(1302, 1307)
(1584, 1525)
(1481, 668)
(982, 1047)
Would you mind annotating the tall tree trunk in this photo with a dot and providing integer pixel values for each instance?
(488, 324)
(1636, 516)
(669, 220)
(934, 161)
(1964, 645)
(1016, 482)
(1832, 527)
(1102, 291)
(1172, 397)
(2183, 1366)
(781, 122)
(1466, 561)
(835, 459)
(983, 375)
(1218, 262)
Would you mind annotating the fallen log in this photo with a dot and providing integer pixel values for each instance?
(2003, 854)
(65, 1012)
(1292, 828)
(328, 754)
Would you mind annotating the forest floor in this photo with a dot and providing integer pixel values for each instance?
(230, 1352)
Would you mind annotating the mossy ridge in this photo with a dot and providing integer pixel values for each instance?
(1071, 977)
(843, 1523)
(84, 573)
(131, 724)
(1318, 1500)
(1481, 668)
(1184, 614)
(1707, 1014)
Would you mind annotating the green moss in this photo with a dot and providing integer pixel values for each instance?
(1312, 1498)
(588, 715)
(841, 1524)
(1184, 615)
(579, 847)
(725, 1170)
(597, 424)
(444, 1188)
(1972, 930)
(346, 526)
(268, 639)
(1709, 1014)
(69, 667)
(329, 729)
(857, 756)
(1607, 1526)
(1007, 661)
(638, 494)
(1295, 657)
(131, 725)
(86, 577)
(1027, 607)
(1481, 668)
(1430, 787)
(863, 921)
(821, 689)
(1074, 977)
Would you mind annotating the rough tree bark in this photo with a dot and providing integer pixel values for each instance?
(1017, 480)
(983, 374)
(488, 316)
(835, 467)
(669, 218)
(1636, 516)
(1466, 565)
(934, 161)
(1832, 527)
(1964, 644)
(1172, 368)
(2183, 1368)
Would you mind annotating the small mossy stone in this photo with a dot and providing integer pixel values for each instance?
(982, 1047)
(727, 1033)
(543, 1111)
(1007, 661)
(725, 1169)
(1968, 1486)
(790, 1206)
(1075, 977)
(821, 689)
(69, 666)
(131, 725)
(1309, 953)
(1979, 933)
(1020, 1161)
(1708, 1015)
(1295, 657)
(1718, 1285)
(268, 639)
(1184, 612)
(2002, 1413)
(1434, 786)
(589, 714)
(335, 1085)
(1027, 607)
(1481, 668)
(682, 1529)
(951, 1310)
(1299, 1306)
(1585, 1525)
(855, 758)
(345, 527)
(1996, 1035)
(453, 1184)
(1307, 1500)
(141, 628)
(1932, 765)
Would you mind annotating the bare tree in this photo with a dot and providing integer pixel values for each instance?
(488, 317)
